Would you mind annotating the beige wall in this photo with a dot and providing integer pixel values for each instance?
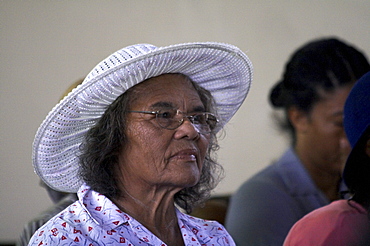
(46, 45)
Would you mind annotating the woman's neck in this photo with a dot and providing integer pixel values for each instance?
(156, 213)
(328, 182)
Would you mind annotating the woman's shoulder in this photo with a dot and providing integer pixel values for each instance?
(190, 219)
(64, 227)
(277, 172)
(199, 223)
(209, 231)
(267, 180)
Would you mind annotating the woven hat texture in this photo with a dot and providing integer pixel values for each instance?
(222, 69)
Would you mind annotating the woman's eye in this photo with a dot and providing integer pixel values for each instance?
(166, 114)
(199, 119)
(338, 123)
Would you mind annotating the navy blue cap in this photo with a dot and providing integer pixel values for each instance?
(357, 128)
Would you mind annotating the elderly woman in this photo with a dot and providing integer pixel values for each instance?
(136, 139)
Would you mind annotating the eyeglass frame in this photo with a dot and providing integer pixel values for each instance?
(180, 122)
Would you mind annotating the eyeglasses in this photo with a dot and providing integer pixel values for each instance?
(171, 119)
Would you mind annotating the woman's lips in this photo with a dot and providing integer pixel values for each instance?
(188, 155)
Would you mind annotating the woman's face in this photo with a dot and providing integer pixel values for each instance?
(323, 138)
(158, 157)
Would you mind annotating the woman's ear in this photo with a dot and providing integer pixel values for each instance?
(298, 119)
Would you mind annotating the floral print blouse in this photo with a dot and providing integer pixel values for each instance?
(96, 220)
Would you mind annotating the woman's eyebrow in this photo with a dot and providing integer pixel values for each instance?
(199, 109)
(162, 105)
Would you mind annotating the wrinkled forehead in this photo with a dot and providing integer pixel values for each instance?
(163, 80)
(167, 90)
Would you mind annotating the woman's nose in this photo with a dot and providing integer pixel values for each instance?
(344, 143)
(187, 130)
(345, 147)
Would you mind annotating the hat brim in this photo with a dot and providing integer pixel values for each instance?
(220, 68)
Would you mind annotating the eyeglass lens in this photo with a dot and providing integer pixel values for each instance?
(172, 118)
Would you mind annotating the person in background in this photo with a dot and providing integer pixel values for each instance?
(60, 200)
(345, 222)
(137, 140)
(315, 84)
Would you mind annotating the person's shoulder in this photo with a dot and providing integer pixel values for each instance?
(188, 218)
(209, 231)
(281, 175)
(267, 178)
(50, 232)
(266, 191)
(64, 227)
(338, 209)
(325, 216)
(336, 222)
(202, 224)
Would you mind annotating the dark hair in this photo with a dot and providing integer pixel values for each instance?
(319, 65)
(104, 141)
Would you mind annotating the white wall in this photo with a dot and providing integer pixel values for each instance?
(46, 45)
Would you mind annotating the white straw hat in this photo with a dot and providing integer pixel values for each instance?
(222, 69)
